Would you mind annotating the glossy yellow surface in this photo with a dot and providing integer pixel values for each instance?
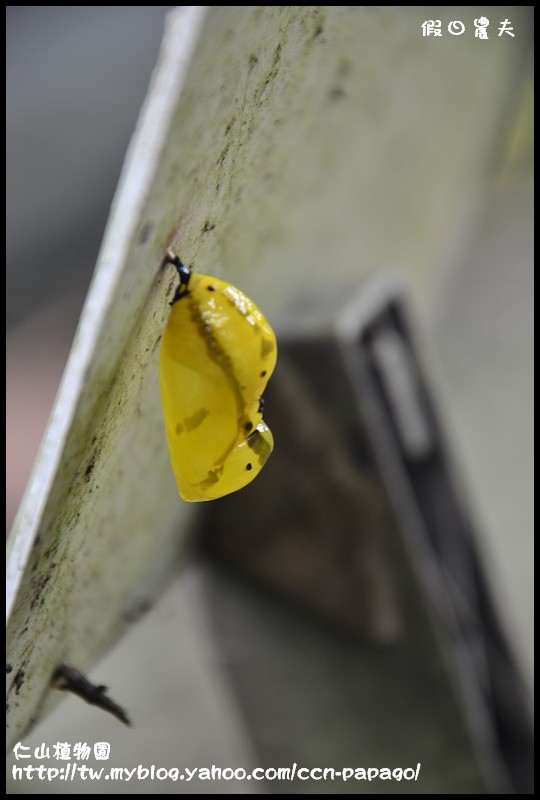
(217, 354)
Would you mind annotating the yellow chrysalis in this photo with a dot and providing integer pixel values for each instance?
(217, 354)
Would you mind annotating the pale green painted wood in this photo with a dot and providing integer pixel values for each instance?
(99, 527)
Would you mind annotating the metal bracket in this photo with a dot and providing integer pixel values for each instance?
(389, 371)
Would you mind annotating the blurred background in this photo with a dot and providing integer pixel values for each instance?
(76, 79)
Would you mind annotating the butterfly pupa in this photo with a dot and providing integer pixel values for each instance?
(217, 355)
